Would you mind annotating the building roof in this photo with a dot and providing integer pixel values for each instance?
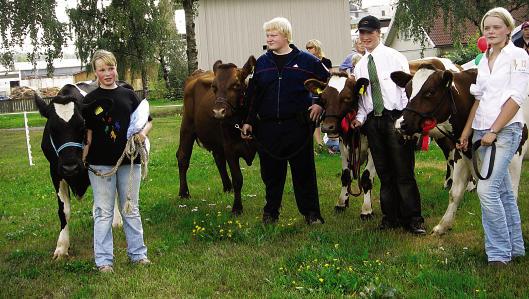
(441, 36)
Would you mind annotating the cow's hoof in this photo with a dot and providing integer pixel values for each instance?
(366, 217)
(236, 212)
(339, 209)
(184, 195)
(60, 254)
(438, 230)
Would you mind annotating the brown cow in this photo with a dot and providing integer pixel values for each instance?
(207, 97)
(445, 97)
(439, 63)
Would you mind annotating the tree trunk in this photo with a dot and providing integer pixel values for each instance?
(144, 81)
(192, 53)
(165, 72)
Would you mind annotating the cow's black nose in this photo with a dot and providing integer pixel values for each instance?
(69, 169)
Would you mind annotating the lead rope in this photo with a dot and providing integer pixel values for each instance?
(133, 148)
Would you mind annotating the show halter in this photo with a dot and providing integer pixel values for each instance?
(67, 144)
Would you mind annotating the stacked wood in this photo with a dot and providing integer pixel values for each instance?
(22, 92)
(49, 92)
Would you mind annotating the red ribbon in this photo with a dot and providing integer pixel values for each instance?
(347, 120)
(427, 125)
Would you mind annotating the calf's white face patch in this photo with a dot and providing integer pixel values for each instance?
(418, 81)
(64, 111)
(337, 82)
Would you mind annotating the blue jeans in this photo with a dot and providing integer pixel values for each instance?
(500, 215)
(104, 189)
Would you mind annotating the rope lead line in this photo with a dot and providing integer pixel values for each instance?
(133, 148)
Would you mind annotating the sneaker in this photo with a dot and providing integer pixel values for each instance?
(388, 223)
(416, 228)
(143, 262)
(105, 269)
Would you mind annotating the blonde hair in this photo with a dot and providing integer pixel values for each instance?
(282, 25)
(107, 57)
(317, 46)
(505, 16)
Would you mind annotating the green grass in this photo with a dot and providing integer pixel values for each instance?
(199, 250)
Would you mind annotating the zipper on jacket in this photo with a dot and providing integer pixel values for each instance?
(278, 91)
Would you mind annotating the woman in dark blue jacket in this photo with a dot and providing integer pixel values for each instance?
(282, 116)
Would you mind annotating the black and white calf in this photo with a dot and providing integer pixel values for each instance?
(340, 99)
(62, 145)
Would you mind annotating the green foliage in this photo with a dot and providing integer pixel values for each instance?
(414, 17)
(32, 20)
(462, 54)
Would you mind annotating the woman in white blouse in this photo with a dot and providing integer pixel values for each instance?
(500, 90)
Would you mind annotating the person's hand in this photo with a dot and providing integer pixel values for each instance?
(463, 142)
(356, 124)
(246, 132)
(488, 139)
(141, 137)
(315, 112)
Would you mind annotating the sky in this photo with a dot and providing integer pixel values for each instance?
(367, 3)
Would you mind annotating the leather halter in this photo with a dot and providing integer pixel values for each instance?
(431, 114)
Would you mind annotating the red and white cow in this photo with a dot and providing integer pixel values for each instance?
(339, 96)
(444, 97)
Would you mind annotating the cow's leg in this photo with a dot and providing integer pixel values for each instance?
(461, 177)
(343, 200)
(183, 155)
(63, 243)
(220, 161)
(236, 176)
(368, 177)
(117, 221)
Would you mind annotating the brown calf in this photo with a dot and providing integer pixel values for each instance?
(212, 105)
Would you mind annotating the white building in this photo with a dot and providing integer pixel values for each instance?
(24, 74)
(232, 30)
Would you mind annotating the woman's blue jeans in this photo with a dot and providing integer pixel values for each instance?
(500, 215)
(104, 189)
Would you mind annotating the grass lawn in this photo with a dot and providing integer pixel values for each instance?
(199, 250)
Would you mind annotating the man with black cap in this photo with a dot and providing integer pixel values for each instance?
(523, 41)
(379, 107)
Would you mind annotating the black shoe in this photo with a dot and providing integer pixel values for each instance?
(313, 219)
(416, 228)
(269, 219)
(386, 224)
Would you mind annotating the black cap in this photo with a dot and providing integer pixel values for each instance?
(369, 23)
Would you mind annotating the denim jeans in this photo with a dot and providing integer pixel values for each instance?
(104, 189)
(500, 215)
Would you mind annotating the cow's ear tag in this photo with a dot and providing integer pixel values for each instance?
(98, 110)
(319, 91)
(362, 90)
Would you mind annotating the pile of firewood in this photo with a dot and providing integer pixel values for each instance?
(22, 92)
(25, 92)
